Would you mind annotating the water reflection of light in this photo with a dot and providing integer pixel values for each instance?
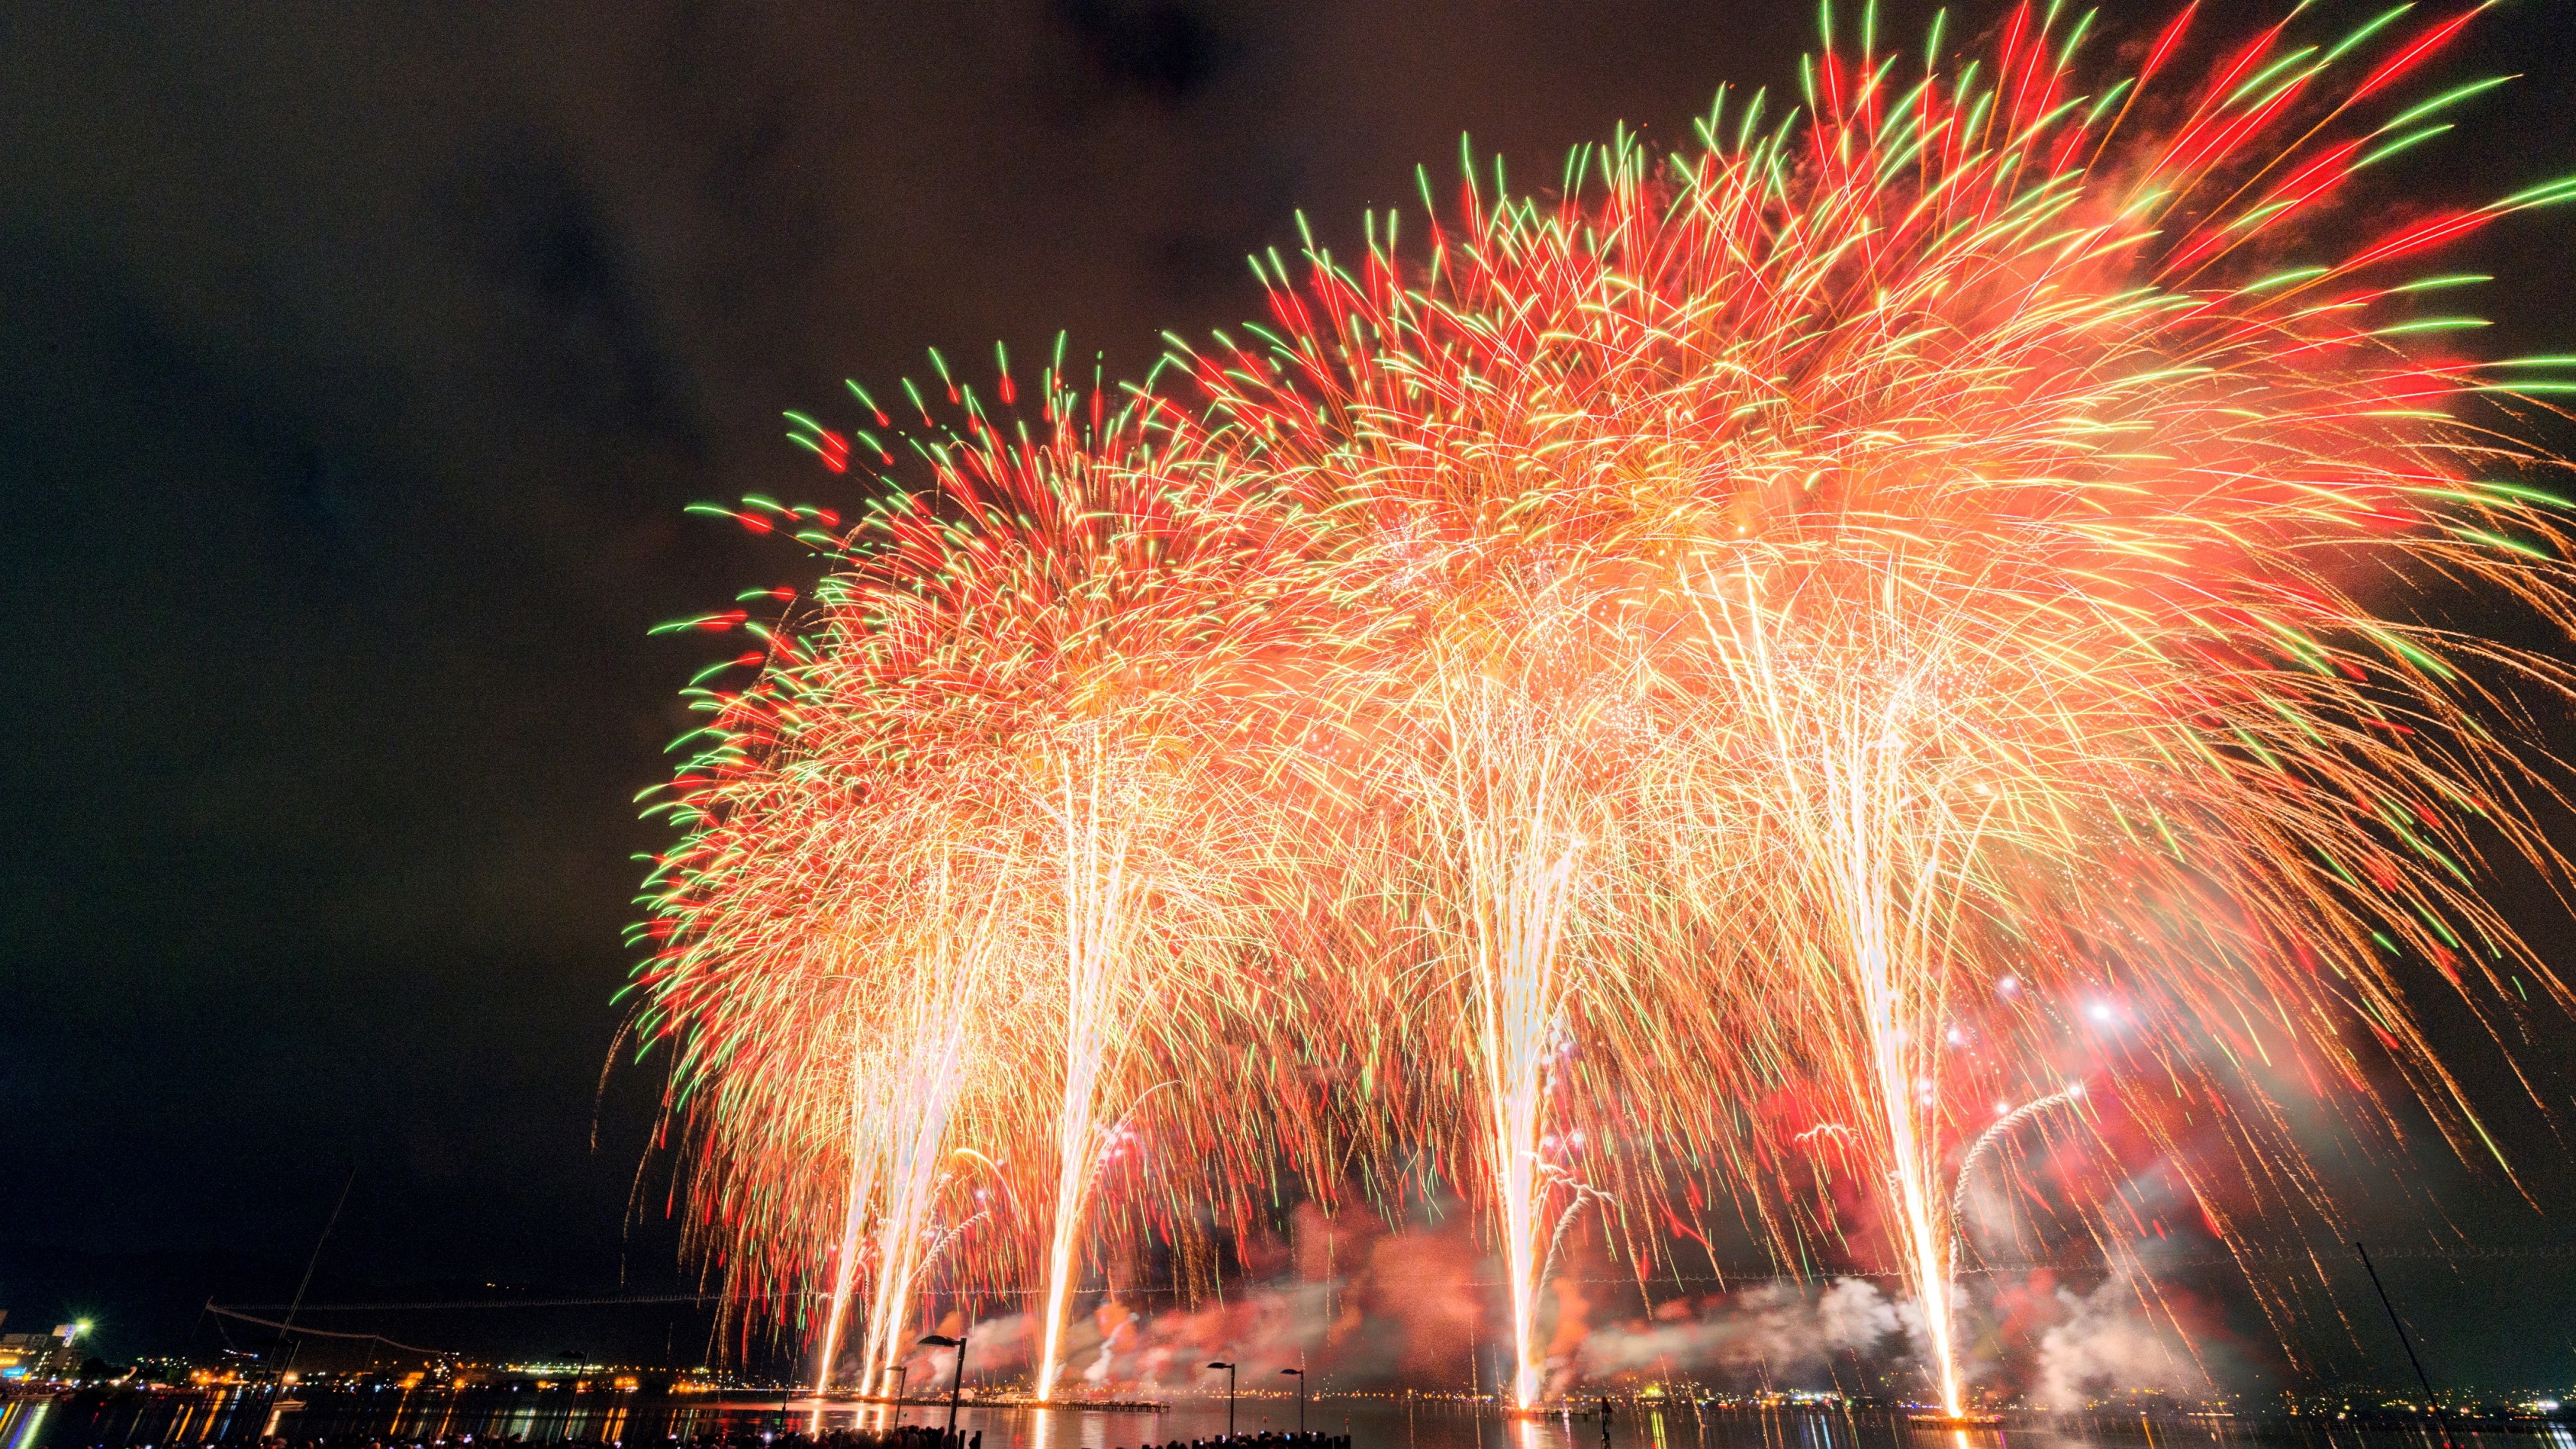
(232, 1416)
(20, 1420)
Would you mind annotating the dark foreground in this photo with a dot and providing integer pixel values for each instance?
(489, 1419)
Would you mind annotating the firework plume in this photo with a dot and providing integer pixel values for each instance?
(1911, 607)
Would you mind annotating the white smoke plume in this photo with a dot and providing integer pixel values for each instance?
(2107, 1343)
(1778, 1331)
(1418, 1308)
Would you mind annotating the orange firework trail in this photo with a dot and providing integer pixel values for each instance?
(972, 823)
(1866, 613)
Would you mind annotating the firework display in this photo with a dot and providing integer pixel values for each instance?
(1755, 677)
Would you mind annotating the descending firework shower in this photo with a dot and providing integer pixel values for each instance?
(1756, 677)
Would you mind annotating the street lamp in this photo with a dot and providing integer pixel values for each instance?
(1300, 1376)
(957, 1380)
(1229, 1396)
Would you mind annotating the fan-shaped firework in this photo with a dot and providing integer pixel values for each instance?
(972, 822)
(1686, 642)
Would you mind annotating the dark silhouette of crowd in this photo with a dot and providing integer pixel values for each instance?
(906, 1436)
(900, 1437)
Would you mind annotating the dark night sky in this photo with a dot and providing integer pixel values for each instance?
(355, 366)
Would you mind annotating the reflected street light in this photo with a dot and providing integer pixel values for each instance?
(1300, 1376)
(1229, 1396)
(957, 1380)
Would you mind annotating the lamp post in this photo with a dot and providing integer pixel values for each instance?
(957, 1380)
(1300, 1376)
(1229, 1396)
(902, 1371)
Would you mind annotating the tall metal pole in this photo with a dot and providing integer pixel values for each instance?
(956, 1381)
(2403, 1339)
(956, 1384)
(1229, 1396)
(1300, 1376)
(310, 1263)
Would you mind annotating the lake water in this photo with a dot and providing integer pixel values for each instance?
(640, 1421)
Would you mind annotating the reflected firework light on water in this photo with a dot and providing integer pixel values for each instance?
(1712, 685)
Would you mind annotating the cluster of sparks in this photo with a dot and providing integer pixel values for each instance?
(1674, 644)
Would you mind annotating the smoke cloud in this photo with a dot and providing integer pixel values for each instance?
(1777, 1333)
(1378, 1308)
(2107, 1343)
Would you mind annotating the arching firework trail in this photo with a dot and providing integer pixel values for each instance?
(1826, 620)
(2002, 1128)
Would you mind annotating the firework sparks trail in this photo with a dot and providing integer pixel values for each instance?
(2037, 496)
(1507, 811)
(925, 1094)
(1095, 861)
(911, 1060)
(1674, 644)
(1522, 874)
(2004, 1126)
(1848, 803)
(964, 837)
(845, 1257)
